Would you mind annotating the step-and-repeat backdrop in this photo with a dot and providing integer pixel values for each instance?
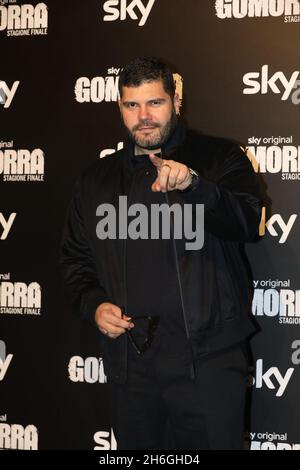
(238, 71)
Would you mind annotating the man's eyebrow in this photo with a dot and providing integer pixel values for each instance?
(161, 100)
(129, 102)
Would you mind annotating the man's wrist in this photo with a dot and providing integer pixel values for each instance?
(194, 181)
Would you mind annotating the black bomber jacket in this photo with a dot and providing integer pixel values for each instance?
(216, 290)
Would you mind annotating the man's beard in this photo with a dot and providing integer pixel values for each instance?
(152, 142)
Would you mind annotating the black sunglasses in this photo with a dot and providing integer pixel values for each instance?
(152, 323)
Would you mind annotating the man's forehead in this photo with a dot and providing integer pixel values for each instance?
(153, 89)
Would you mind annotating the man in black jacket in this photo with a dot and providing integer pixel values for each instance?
(173, 318)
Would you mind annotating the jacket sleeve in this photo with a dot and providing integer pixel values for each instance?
(232, 199)
(77, 263)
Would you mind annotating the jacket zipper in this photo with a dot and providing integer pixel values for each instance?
(192, 365)
(125, 300)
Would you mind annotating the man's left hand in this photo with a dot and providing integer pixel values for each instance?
(170, 175)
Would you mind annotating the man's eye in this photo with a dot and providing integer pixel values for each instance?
(155, 102)
(131, 105)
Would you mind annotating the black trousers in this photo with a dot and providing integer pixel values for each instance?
(161, 407)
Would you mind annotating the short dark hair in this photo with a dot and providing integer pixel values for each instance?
(144, 70)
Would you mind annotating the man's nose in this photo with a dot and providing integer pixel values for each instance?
(144, 113)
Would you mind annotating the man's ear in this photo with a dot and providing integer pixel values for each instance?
(120, 108)
(177, 103)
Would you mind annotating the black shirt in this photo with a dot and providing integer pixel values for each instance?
(151, 276)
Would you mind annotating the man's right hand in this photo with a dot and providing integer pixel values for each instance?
(110, 322)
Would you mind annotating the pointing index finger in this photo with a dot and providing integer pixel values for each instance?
(157, 161)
